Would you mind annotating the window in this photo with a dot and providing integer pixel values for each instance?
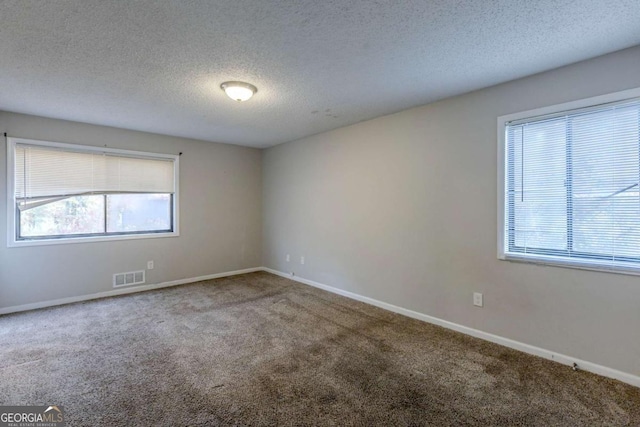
(69, 193)
(569, 183)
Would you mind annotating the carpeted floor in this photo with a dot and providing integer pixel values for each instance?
(261, 350)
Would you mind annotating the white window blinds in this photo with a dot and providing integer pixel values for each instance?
(43, 172)
(571, 183)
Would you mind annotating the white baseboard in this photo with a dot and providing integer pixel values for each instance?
(516, 345)
(115, 292)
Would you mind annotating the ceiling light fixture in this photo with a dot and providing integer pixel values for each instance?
(238, 91)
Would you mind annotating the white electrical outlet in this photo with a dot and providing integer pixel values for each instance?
(149, 265)
(288, 258)
(477, 299)
(301, 260)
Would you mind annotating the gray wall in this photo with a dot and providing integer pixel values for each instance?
(403, 209)
(220, 218)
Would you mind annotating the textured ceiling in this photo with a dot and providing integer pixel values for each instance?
(156, 66)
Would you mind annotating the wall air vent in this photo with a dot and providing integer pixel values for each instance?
(128, 279)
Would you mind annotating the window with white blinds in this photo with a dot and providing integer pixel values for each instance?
(571, 187)
(63, 191)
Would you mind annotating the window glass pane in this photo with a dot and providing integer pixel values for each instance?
(138, 212)
(75, 215)
(539, 191)
(606, 206)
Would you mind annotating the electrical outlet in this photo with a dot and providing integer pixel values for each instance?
(288, 258)
(301, 260)
(149, 265)
(477, 299)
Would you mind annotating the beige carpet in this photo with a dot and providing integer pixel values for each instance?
(261, 350)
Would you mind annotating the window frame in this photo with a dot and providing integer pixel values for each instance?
(12, 216)
(587, 263)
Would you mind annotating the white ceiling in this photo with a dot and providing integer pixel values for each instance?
(157, 66)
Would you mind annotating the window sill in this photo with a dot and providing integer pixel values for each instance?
(543, 261)
(93, 239)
